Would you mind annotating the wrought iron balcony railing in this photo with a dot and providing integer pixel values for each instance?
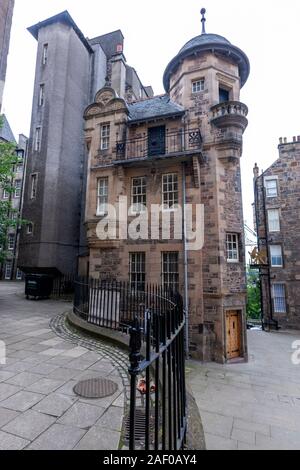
(168, 144)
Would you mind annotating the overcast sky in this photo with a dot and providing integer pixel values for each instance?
(266, 30)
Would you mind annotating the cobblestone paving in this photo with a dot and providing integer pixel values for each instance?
(38, 408)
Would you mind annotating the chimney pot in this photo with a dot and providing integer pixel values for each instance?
(285, 140)
(280, 140)
(294, 139)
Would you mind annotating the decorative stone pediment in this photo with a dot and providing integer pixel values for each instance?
(106, 100)
(105, 95)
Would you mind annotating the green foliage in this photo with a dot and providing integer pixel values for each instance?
(8, 215)
(254, 300)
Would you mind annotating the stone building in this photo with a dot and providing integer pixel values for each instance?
(182, 147)
(6, 13)
(9, 270)
(69, 71)
(277, 220)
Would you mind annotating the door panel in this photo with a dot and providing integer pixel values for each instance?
(233, 331)
(157, 141)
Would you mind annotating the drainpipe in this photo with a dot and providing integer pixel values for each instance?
(272, 321)
(258, 245)
(186, 294)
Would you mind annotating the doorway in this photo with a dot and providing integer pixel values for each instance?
(233, 334)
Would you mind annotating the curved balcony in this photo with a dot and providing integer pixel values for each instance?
(230, 114)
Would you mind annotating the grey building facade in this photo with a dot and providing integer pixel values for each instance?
(9, 269)
(69, 71)
(6, 14)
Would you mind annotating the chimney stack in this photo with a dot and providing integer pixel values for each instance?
(256, 171)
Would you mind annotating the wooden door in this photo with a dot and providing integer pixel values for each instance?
(157, 141)
(233, 327)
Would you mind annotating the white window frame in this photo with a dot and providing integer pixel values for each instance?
(18, 188)
(42, 95)
(198, 85)
(137, 269)
(169, 274)
(5, 194)
(45, 54)
(274, 255)
(232, 248)
(8, 270)
(170, 197)
(138, 194)
(19, 167)
(279, 301)
(19, 275)
(11, 242)
(268, 180)
(105, 136)
(102, 195)
(33, 186)
(38, 139)
(274, 222)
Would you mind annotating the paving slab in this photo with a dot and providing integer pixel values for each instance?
(58, 437)
(54, 405)
(82, 415)
(259, 399)
(10, 442)
(21, 401)
(29, 425)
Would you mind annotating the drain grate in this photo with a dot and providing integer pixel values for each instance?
(95, 388)
(140, 426)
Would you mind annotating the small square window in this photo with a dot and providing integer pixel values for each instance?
(5, 194)
(198, 85)
(232, 246)
(271, 187)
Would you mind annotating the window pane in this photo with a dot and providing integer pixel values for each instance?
(170, 191)
(137, 270)
(273, 220)
(139, 194)
(271, 188)
(232, 246)
(279, 298)
(170, 271)
(276, 256)
(102, 196)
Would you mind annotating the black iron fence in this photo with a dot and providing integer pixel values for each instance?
(171, 143)
(64, 287)
(155, 321)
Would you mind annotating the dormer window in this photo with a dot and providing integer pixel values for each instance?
(198, 85)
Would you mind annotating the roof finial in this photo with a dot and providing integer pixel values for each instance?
(203, 11)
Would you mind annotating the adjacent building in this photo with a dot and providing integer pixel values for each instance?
(6, 14)
(9, 270)
(69, 71)
(277, 220)
(183, 147)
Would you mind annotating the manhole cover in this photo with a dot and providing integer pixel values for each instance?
(95, 388)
